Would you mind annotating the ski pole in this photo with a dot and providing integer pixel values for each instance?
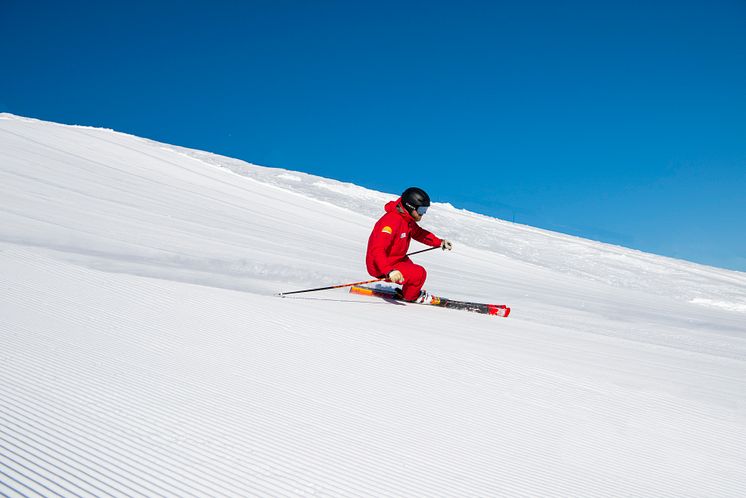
(423, 250)
(283, 294)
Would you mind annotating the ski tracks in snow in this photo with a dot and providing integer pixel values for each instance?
(128, 386)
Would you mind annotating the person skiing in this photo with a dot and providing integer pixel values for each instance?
(388, 243)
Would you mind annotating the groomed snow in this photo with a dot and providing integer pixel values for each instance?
(143, 352)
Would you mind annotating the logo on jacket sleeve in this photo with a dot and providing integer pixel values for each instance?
(387, 229)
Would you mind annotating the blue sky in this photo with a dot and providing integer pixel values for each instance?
(617, 121)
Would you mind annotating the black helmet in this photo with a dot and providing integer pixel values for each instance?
(414, 198)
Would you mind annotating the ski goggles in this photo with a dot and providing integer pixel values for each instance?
(422, 210)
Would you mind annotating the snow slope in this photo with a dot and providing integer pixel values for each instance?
(142, 352)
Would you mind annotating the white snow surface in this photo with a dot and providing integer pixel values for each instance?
(143, 351)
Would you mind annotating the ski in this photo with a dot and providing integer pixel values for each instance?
(442, 302)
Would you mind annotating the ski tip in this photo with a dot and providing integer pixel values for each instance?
(498, 309)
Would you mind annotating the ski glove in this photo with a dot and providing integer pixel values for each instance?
(446, 245)
(396, 276)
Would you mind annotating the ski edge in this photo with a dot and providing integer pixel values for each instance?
(482, 308)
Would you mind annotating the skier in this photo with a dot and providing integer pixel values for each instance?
(388, 243)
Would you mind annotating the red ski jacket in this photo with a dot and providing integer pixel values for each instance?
(389, 240)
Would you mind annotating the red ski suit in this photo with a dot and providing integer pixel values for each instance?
(388, 245)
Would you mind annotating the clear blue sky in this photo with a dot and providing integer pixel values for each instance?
(617, 121)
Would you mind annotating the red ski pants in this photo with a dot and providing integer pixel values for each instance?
(414, 278)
